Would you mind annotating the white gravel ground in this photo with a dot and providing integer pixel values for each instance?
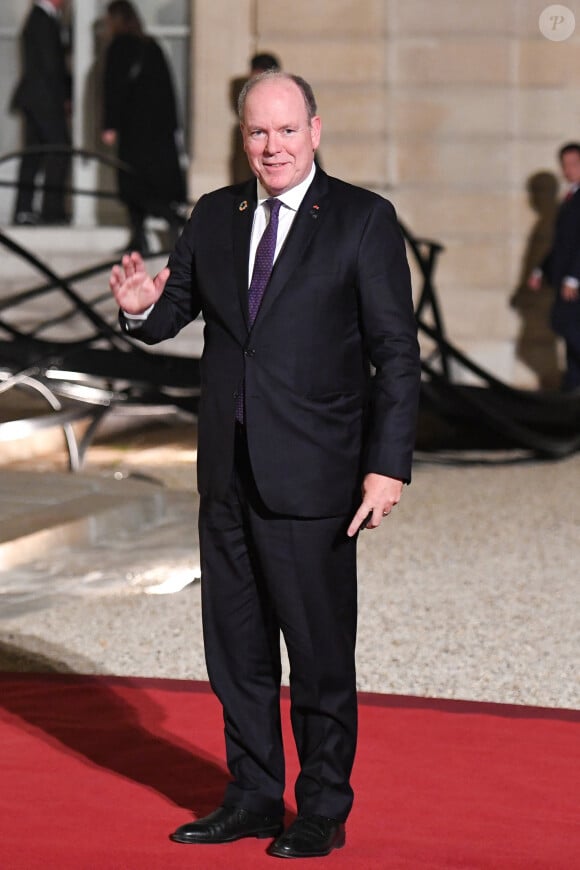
(469, 590)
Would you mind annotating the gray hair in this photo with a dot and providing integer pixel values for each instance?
(305, 89)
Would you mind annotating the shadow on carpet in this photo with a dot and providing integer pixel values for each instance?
(97, 771)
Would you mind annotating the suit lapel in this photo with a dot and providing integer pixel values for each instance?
(304, 227)
(242, 220)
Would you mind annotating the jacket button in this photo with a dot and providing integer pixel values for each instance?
(249, 351)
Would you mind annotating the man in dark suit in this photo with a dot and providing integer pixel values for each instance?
(561, 267)
(42, 96)
(300, 446)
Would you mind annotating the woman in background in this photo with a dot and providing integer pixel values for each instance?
(140, 118)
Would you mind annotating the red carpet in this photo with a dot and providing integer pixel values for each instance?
(95, 772)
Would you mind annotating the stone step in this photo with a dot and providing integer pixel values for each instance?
(65, 249)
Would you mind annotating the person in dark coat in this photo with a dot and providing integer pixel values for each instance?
(561, 267)
(141, 119)
(43, 96)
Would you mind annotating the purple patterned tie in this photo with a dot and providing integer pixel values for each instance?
(264, 260)
(263, 265)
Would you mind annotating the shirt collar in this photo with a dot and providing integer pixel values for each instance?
(47, 7)
(291, 198)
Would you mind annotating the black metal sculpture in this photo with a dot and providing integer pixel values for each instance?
(89, 376)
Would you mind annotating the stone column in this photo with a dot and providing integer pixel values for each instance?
(221, 44)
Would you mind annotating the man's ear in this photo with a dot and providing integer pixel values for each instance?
(315, 131)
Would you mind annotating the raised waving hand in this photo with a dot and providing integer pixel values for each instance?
(133, 288)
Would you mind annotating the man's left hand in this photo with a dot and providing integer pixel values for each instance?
(379, 495)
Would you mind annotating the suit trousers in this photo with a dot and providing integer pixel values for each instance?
(55, 167)
(565, 321)
(262, 574)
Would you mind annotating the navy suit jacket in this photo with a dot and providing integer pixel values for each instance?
(331, 363)
(564, 257)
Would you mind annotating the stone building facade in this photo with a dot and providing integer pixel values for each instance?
(447, 107)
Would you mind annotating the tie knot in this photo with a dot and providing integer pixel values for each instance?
(273, 206)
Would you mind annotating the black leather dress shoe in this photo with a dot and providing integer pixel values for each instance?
(227, 824)
(309, 837)
(25, 219)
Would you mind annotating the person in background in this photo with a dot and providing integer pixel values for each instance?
(262, 62)
(43, 97)
(561, 267)
(140, 118)
(310, 379)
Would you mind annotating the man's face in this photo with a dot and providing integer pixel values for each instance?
(571, 167)
(278, 140)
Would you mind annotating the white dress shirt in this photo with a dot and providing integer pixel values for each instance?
(291, 201)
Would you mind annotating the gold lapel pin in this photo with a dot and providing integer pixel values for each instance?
(243, 205)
